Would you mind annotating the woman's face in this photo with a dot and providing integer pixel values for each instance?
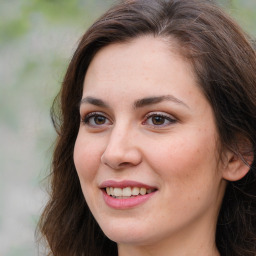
(146, 152)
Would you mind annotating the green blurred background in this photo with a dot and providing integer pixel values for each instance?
(37, 39)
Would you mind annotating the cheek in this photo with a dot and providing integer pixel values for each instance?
(86, 158)
(189, 160)
(189, 175)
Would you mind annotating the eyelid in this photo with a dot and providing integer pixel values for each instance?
(159, 113)
(165, 115)
(85, 118)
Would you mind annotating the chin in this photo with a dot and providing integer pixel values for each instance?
(128, 234)
(129, 238)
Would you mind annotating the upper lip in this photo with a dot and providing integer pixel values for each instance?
(124, 184)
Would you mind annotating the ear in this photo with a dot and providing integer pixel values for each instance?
(236, 165)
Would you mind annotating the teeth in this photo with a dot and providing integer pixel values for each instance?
(143, 191)
(118, 192)
(135, 191)
(127, 191)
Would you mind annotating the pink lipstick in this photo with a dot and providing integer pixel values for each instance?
(126, 194)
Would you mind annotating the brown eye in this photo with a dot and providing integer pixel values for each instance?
(158, 120)
(95, 119)
(99, 120)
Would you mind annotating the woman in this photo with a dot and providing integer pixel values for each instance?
(156, 136)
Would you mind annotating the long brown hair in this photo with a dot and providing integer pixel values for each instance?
(225, 64)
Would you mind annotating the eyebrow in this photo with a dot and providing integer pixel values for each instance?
(94, 101)
(138, 103)
(157, 99)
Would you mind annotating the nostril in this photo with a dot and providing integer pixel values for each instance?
(124, 164)
(123, 158)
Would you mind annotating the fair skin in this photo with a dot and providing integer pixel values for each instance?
(145, 120)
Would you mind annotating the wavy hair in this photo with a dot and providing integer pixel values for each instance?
(224, 62)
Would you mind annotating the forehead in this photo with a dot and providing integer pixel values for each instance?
(145, 48)
(145, 66)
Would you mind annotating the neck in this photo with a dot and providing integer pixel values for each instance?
(195, 242)
(144, 251)
(181, 249)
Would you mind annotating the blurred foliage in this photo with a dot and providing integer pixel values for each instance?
(37, 38)
(18, 16)
(244, 11)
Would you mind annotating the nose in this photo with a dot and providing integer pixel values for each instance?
(122, 149)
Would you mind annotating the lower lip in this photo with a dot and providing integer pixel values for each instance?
(127, 202)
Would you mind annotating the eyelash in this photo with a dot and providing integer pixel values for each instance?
(168, 119)
(165, 117)
(93, 115)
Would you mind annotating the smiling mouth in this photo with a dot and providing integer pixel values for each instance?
(127, 192)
